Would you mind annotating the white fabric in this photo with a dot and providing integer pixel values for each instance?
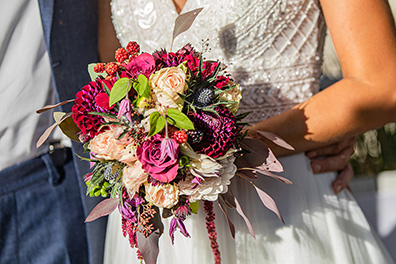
(274, 50)
(25, 81)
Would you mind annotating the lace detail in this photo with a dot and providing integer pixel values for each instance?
(273, 48)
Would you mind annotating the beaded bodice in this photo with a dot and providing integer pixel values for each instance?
(273, 48)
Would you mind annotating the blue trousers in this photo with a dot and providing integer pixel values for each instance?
(42, 217)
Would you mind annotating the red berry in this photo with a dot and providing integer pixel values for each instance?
(99, 67)
(111, 68)
(121, 54)
(109, 78)
(133, 48)
(180, 136)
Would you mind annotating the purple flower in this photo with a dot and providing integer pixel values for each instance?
(177, 222)
(159, 158)
(125, 109)
(142, 64)
(128, 208)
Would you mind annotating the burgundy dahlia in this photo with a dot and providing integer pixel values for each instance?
(220, 131)
(85, 102)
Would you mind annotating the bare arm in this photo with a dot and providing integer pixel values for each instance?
(364, 37)
(107, 40)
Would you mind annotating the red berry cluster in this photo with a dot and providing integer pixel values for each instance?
(133, 48)
(99, 68)
(180, 136)
(111, 68)
(121, 54)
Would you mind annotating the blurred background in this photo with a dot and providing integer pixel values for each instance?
(374, 163)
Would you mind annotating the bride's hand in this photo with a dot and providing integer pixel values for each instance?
(334, 157)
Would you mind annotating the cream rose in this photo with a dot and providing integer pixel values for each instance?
(128, 154)
(165, 195)
(166, 83)
(104, 146)
(133, 177)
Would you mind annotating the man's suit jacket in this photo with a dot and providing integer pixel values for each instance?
(70, 32)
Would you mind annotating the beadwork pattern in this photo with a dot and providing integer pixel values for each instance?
(273, 48)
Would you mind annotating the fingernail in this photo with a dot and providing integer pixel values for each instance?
(317, 168)
(311, 154)
(338, 188)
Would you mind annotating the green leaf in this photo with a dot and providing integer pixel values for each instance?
(116, 189)
(103, 114)
(157, 123)
(181, 120)
(94, 74)
(119, 90)
(142, 86)
(194, 207)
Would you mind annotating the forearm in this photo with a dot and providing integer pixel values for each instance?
(347, 108)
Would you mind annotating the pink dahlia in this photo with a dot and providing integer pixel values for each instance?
(87, 101)
(220, 131)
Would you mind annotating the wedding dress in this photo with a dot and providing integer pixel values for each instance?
(273, 48)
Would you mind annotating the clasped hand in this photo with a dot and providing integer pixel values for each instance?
(334, 157)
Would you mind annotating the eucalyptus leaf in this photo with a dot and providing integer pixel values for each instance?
(157, 123)
(49, 107)
(104, 208)
(181, 120)
(119, 90)
(94, 74)
(49, 130)
(69, 128)
(184, 22)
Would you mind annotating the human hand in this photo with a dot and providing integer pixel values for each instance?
(334, 157)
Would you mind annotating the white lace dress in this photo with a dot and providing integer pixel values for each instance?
(274, 50)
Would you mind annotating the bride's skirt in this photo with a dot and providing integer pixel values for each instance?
(320, 227)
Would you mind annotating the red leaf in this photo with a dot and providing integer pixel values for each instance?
(277, 177)
(103, 208)
(230, 224)
(184, 22)
(148, 246)
(272, 163)
(248, 224)
(48, 131)
(275, 139)
(269, 202)
(49, 107)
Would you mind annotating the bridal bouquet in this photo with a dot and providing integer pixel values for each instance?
(162, 133)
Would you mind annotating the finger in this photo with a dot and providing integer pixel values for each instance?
(343, 179)
(332, 163)
(331, 149)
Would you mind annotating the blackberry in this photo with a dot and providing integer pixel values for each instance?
(194, 136)
(202, 97)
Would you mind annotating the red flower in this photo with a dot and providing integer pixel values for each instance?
(87, 101)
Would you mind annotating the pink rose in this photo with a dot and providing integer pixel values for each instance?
(159, 158)
(162, 195)
(142, 64)
(133, 177)
(105, 146)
